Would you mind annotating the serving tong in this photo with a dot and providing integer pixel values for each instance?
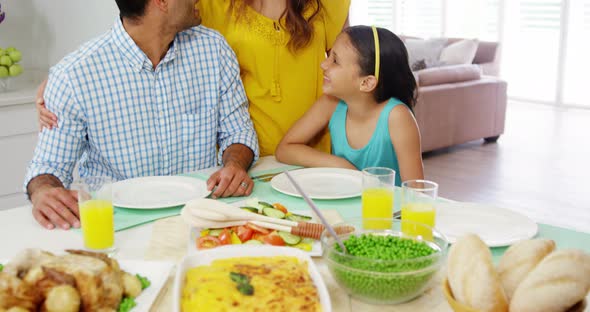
(209, 213)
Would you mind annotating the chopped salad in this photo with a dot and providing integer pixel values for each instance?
(256, 235)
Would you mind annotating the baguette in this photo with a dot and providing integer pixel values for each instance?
(520, 259)
(557, 283)
(472, 276)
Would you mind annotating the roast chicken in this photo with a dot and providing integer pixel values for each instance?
(79, 281)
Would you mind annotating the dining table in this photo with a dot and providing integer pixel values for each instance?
(163, 236)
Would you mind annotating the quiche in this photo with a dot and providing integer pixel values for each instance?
(277, 283)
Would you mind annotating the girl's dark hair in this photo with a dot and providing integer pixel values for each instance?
(300, 27)
(131, 8)
(395, 76)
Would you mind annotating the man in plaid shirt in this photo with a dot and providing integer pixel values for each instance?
(156, 95)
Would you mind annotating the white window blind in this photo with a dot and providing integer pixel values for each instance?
(531, 46)
(421, 18)
(379, 13)
(481, 21)
(577, 62)
(540, 15)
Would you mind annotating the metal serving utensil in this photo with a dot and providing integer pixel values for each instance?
(316, 210)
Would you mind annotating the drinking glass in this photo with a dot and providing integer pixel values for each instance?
(377, 197)
(96, 213)
(418, 198)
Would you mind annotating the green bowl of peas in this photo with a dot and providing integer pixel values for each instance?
(386, 261)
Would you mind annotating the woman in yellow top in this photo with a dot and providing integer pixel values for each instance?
(279, 45)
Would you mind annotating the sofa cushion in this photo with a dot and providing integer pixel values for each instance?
(448, 74)
(460, 52)
(426, 51)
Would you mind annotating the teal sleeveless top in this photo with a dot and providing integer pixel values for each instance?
(379, 152)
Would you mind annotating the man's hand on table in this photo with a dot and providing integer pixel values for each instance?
(233, 179)
(53, 205)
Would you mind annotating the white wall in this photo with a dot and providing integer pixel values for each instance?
(46, 30)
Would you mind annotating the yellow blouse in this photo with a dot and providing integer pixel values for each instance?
(280, 85)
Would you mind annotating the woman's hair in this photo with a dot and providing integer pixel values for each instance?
(299, 27)
(395, 76)
(131, 8)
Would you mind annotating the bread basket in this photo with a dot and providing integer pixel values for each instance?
(459, 307)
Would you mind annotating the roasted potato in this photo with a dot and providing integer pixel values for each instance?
(63, 298)
(131, 285)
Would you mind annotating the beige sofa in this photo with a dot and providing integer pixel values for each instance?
(461, 103)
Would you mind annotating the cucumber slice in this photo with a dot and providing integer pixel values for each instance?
(265, 204)
(253, 202)
(298, 218)
(251, 209)
(271, 212)
(289, 238)
(215, 232)
(253, 242)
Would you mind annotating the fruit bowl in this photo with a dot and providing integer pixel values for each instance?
(5, 84)
(384, 266)
(9, 66)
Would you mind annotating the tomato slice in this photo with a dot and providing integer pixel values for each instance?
(257, 236)
(225, 237)
(207, 242)
(280, 207)
(273, 239)
(244, 233)
(257, 228)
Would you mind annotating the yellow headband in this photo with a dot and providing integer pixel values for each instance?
(377, 53)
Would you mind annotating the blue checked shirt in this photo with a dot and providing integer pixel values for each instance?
(119, 117)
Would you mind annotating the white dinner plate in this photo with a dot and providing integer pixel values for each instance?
(157, 192)
(321, 183)
(157, 272)
(495, 226)
(205, 257)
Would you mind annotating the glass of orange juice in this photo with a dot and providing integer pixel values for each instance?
(418, 198)
(377, 197)
(96, 213)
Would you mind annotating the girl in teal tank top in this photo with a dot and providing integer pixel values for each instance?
(369, 92)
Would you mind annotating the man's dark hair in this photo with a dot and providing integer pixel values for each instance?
(131, 8)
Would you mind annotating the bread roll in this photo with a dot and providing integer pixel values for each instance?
(472, 277)
(558, 282)
(520, 259)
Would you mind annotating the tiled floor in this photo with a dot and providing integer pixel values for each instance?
(540, 166)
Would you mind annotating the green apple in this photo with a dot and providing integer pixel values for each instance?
(3, 71)
(16, 56)
(15, 70)
(2, 51)
(10, 49)
(6, 60)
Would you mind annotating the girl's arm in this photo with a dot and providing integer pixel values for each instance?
(405, 138)
(294, 149)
